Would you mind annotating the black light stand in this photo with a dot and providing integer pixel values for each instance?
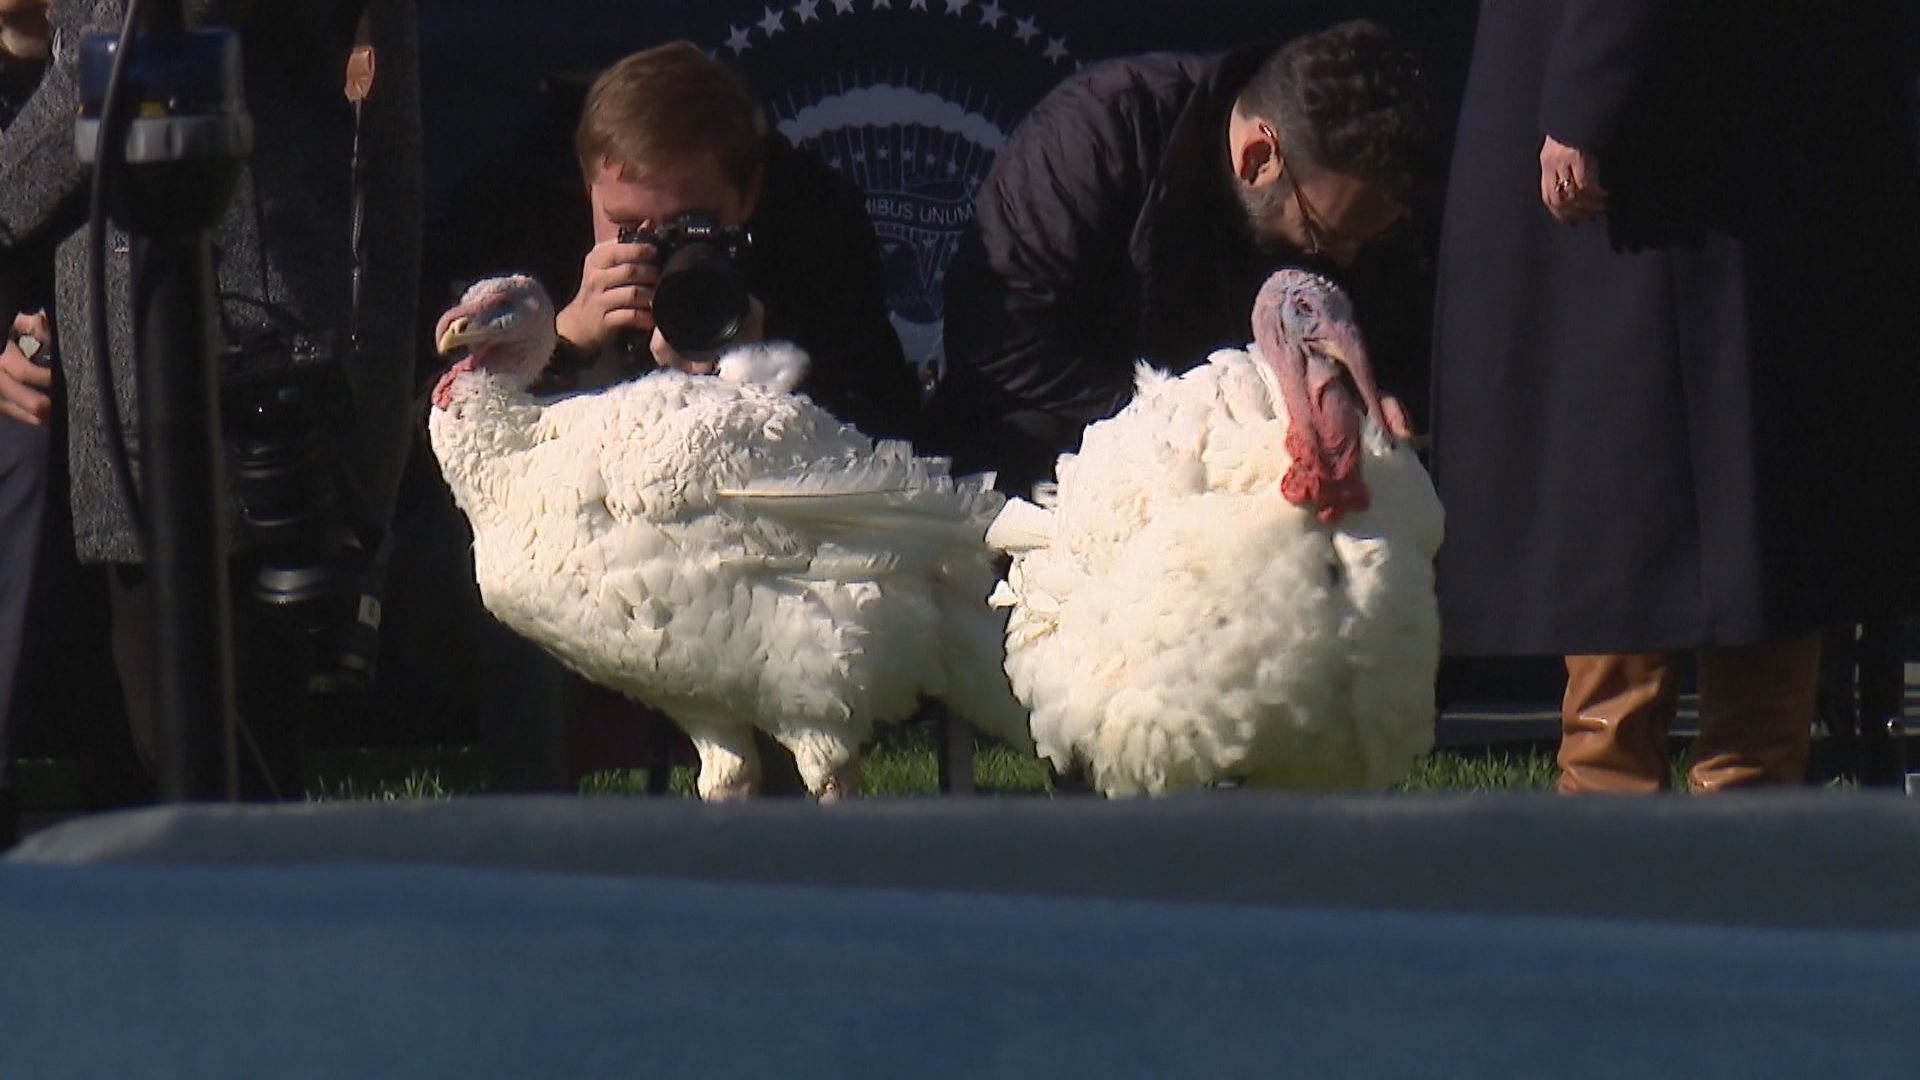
(172, 139)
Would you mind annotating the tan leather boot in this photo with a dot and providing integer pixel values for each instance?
(1756, 714)
(1614, 721)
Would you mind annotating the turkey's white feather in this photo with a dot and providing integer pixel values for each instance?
(1174, 622)
(732, 555)
(779, 365)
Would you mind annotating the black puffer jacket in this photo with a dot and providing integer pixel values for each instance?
(1107, 233)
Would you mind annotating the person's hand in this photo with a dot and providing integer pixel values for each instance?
(1570, 183)
(25, 386)
(754, 330)
(616, 294)
(26, 31)
(1398, 423)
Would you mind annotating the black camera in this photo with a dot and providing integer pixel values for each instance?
(312, 568)
(701, 302)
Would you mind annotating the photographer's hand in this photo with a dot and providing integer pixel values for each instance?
(616, 293)
(24, 384)
(755, 330)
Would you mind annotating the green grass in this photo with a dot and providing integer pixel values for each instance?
(902, 764)
(1497, 771)
(416, 773)
(633, 782)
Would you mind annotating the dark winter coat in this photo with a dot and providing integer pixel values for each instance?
(282, 246)
(1692, 422)
(1106, 233)
(815, 265)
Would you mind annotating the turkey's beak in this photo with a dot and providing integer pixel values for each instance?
(455, 334)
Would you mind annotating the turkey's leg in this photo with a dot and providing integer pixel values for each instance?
(729, 763)
(841, 783)
(828, 765)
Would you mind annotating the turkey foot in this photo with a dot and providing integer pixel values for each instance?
(738, 791)
(841, 784)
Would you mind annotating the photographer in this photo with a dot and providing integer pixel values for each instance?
(671, 141)
(675, 153)
(284, 272)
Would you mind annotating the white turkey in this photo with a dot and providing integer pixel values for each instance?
(1232, 581)
(718, 548)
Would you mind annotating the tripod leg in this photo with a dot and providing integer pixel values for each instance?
(1883, 686)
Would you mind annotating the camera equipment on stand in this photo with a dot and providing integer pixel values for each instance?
(314, 560)
(701, 301)
(163, 121)
(317, 555)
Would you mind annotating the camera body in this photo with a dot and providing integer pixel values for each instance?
(701, 302)
(280, 398)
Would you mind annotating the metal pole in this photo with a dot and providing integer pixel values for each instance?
(185, 516)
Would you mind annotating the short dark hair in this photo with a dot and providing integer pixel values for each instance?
(668, 102)
(1349, 99)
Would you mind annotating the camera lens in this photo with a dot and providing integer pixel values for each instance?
(288, 504)
(279, 466)
(701, 302)
(311, 572)
(281, 481)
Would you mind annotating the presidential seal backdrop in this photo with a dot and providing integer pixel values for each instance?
(910, 99)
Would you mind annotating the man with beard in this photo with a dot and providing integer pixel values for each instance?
(1136, 211)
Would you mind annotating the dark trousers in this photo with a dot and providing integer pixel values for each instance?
(23, 498)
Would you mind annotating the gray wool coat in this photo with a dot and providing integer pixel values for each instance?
(283, 244)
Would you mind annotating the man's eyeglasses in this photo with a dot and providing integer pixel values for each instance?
(1321, 238)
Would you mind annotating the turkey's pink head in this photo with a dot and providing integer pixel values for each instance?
(1303, 326)
(505, 324)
